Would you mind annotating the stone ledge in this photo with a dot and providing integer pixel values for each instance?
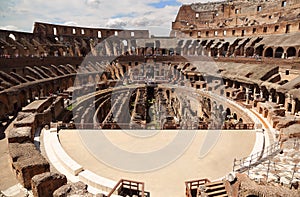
(20, 135)
(25, 150)
(97, 181)
(73, 167)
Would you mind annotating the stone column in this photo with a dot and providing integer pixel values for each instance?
(270, 98)
(293, 106)
(247, 95)
(277, 99)
(286, 102)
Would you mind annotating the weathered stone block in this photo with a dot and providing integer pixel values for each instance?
(79, 189)
(279, 112)
(45, 184)
(28, 167)
(17, 150)
(26, 120)
(19, 135)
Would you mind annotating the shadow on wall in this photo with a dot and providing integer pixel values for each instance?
(2, 134)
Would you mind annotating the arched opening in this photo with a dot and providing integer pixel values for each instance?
(171, 51)
(228, 112)
(124, 68)
(90, 79)
(99, 34)
(279, 52)
(3, 111)
(259, 50)
(221, 108)
(125, 43)
(54, 31)
(269, 52)
(291, 52)
(12, 36)
(214, 52)
(249, 52)
(223, 50)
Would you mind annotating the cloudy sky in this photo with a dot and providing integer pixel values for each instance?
(155, 15)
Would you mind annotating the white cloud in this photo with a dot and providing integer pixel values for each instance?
(116, 23)
(9, 27)
(21, 14)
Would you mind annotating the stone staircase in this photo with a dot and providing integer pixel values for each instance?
(213, 189)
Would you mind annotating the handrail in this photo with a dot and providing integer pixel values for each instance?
(254, 159)
(121, 182)
(189, 185)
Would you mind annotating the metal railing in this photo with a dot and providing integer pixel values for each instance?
(194, 185)
(243, 164)
(130, 186)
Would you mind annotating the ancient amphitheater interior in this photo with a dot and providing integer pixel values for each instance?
(211, 110)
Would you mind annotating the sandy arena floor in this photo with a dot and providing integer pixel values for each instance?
(140, 158)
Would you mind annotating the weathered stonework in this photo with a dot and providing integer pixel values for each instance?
(20, 135)
(43, 185)
(27, 167)
(72, 189)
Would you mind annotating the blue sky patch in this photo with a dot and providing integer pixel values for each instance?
(164, 3)
(130, 15)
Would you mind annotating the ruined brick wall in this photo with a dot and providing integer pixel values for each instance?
(58, 40)
(70, 32)
(237, 18)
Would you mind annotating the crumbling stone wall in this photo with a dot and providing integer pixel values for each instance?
(237, 18)
(27, 162)
(72, 189)
(43, 185)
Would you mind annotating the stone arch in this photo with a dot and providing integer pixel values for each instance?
(23, 98)
(278, 52)
(97, 78)
(223, 50)
(91, 79)
(291, 52)
(84, 51)
(77, 82)
(221, 108)
(249, 52)
(104, 77)
(125, 43)
(35, 92)
(228, 111)
(269, 52)
(259, 50)
(273, 94)
(297, 107)
(124, 69)
(12, 36)
(171, 51)
(213, 52)
(64, 84)
(234, 115)
(3, 110)
(70, 82)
